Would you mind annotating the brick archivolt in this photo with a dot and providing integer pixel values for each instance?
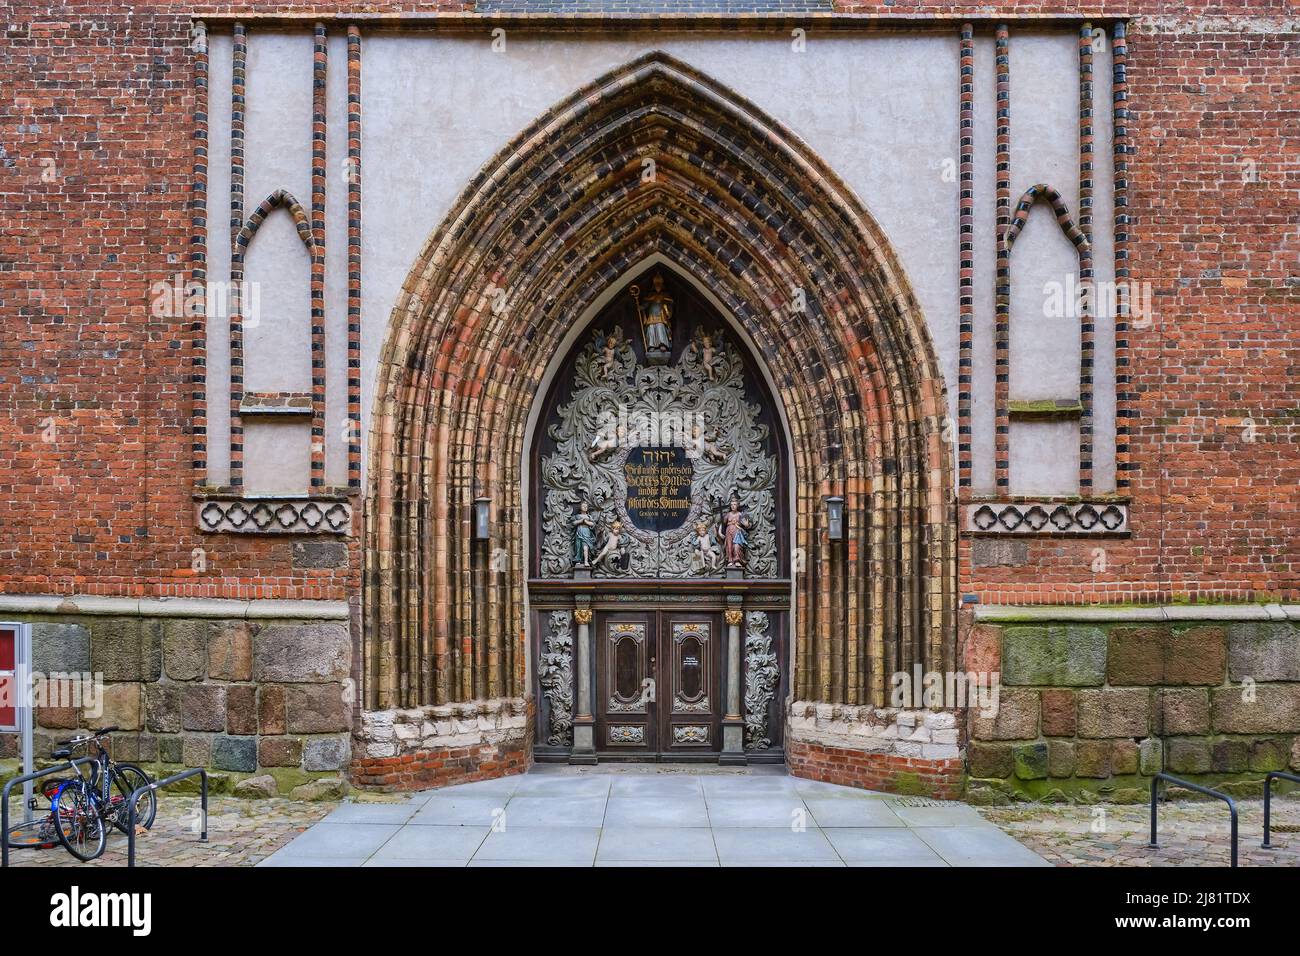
(655, 159)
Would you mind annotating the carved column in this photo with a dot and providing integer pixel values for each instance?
(584, 730)
(733, 723)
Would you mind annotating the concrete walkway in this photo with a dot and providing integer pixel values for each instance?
(654, 816)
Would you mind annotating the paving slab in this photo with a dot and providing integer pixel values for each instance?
(553, 811)
(434, 844)
(978, 846)
(758, 811)
(657, 843)
(882, 846)
(607, 816)
(557, 845)
(448, 809)
(341, 840)
(763, 845)
(838, 812)
(372, 813)
(660, 811)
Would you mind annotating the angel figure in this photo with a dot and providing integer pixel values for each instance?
(605, 441)
(613, 554)
(704, 445)
(708, 356)
(705, 554)
(609, 348)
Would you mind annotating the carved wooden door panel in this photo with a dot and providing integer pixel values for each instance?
(626, 655)
(689, 685)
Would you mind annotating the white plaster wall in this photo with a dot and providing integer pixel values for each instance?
(1103, 256)
(1044, 457)
(983, 351)
(336, 262)
(277, 116)
(881, 110)
(218, 338)
(277, 309)
(1044, 334)
(277, 456)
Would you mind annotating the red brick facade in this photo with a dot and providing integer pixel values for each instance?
(427, 769)
(95, 409)
(96, 179)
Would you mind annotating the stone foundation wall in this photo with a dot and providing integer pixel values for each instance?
(422, 747)
(914, 752)
(232, 694)
(1093, 709)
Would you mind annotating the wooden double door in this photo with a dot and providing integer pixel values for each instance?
(659, 684)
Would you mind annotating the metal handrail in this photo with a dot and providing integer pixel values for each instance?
(158, 785)
(1232, 806)
(1268, 800)
(73, 764)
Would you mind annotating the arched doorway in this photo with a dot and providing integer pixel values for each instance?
(659, 560)
(655, 160)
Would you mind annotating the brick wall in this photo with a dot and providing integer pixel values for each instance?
(423, 747)
(885, 773)
(92, 396)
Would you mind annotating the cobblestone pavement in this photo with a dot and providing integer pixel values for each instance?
(240, 833)
(1192, 833)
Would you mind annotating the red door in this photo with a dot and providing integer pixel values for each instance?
(8, 678)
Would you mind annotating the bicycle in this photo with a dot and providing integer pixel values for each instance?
(83, 806)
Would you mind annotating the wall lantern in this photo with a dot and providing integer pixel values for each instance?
(482, 516)
(835, 518)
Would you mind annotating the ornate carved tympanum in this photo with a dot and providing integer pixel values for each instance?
(659, 468)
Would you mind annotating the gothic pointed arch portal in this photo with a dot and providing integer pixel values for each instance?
(655, 159)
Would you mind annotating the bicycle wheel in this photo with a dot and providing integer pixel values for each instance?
(127, 778)
(76, 819)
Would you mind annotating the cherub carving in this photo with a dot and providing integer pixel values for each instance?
(705, 554)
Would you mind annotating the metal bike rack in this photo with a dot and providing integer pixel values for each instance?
(1232, 806)
(158, 785)
(73, 764)
(1268, 801)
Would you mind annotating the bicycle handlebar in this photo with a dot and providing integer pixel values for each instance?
(93, 735)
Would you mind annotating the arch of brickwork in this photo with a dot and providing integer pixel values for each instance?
(656, 158)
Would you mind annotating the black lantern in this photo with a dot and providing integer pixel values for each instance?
(835, 518)
(482, 519)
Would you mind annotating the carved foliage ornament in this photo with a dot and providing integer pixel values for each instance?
(762, 674)
(556, 677)
(690, 421)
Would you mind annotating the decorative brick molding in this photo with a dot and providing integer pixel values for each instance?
(858, 373)
(199, 259)
(273, 515)
(435, 746)
(1121, 149)
(1046, 517)
(966, 255)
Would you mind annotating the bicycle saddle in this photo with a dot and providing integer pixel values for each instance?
(62, 754)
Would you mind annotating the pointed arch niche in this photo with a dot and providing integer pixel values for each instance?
(655, 161)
